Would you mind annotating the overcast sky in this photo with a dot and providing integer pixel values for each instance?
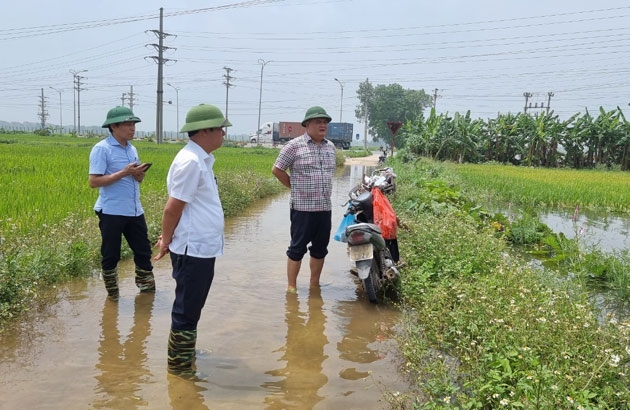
(480, 55)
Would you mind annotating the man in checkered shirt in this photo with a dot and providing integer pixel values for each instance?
(310, 161)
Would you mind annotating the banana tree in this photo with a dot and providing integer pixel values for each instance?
(466, 137)
(543, 145)
(575, 141)
(421, 133)
(502, 142)
(606, 134)
(624, 142)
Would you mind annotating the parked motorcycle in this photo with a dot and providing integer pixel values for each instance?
(374, 257)
(382, 157)
(384, 179)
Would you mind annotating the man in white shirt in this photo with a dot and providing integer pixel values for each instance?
(192, 230)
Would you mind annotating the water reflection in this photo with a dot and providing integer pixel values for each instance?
(302, 376)
(185, 395)
(361, 330)
(123, 365)
(606, 231)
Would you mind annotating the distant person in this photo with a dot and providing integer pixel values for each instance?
(310, 162)
(116, 170)
(383, 156)
(192, 230)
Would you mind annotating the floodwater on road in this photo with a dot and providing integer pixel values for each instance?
(258, 347)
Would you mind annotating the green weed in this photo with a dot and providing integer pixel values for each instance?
(482, 329)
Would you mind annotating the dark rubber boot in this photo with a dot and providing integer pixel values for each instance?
(145, 280)
(110, 277)
(181, 352)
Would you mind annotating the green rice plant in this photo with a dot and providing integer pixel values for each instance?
(545, 187)
(45, 181)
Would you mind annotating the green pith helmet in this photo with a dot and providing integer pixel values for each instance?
(315, 112)
(204, 116)
(119, 114)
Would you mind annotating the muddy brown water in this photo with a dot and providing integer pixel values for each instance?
(258, 348)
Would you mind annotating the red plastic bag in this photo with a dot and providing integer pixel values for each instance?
(384, 215)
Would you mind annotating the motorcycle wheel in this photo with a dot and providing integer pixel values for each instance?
(371, 284)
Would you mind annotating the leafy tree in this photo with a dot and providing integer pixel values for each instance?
(389, 103)
(365, 94)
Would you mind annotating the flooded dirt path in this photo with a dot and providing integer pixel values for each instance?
(258, 348)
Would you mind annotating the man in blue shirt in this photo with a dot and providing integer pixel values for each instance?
(116, 170)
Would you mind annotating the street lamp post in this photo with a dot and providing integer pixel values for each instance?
(60, 111)
(262, 63)
(341, 104)
(176, 106)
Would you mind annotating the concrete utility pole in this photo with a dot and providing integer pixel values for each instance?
(161, 35)
(76, 115)
(177, 106)
(130, 95)
(262, 63)
(60, 110)
(549, 95)
(42, 110)
(365, 129)
(435, 97)
(341, 103)
(227, 77)
(527, 96)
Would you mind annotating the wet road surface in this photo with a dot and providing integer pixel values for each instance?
(258, 348)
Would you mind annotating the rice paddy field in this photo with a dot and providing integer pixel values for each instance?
(45, 179)
(605, 190)
(48, 230)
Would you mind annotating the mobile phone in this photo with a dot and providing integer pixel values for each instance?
(146, 166)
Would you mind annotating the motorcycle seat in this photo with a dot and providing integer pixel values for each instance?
(362, 226)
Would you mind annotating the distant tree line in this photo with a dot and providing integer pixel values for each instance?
(541, 139)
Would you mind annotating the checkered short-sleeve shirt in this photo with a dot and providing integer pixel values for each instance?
(311, 167)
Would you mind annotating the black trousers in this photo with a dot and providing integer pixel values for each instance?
(134, 229)
(193, 278)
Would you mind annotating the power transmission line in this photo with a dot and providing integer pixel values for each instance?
(16, 33)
